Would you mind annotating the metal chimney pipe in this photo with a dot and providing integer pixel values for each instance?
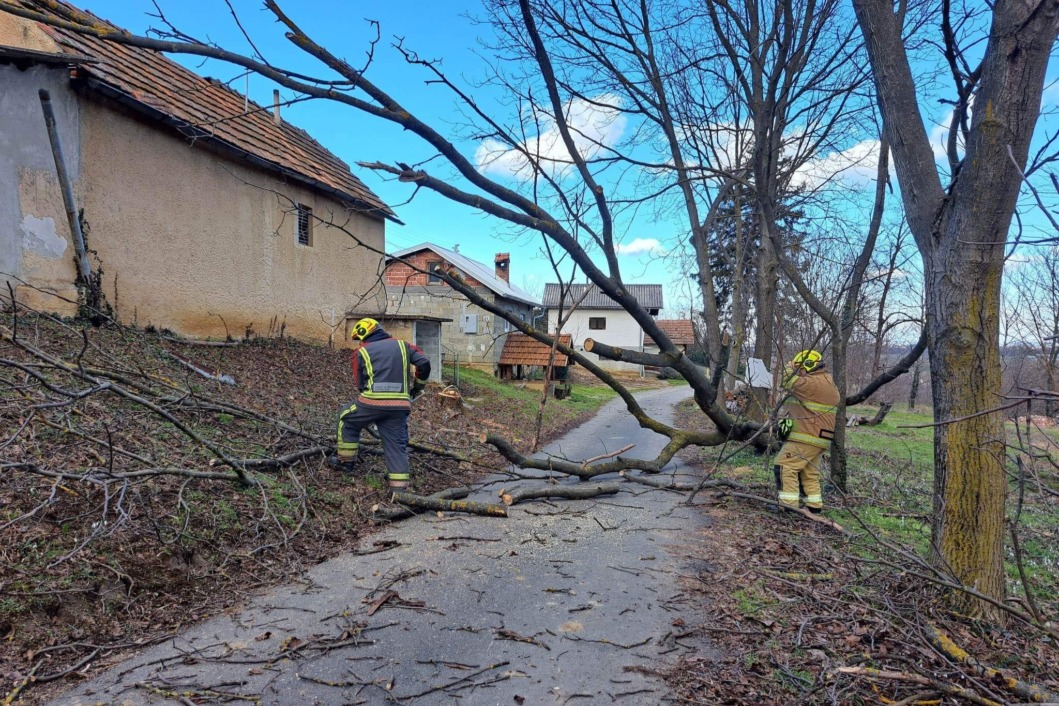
(275, 107)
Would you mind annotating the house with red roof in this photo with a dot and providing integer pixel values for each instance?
(467, 333)
(207, 213)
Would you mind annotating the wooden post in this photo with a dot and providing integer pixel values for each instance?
(83, 266)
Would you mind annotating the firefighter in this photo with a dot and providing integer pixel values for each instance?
(389, 374)
(807, 430)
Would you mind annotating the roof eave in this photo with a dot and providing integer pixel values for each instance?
(184, 127)
(43, 57)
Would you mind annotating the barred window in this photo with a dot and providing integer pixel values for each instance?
(305, 225)
(597, 323)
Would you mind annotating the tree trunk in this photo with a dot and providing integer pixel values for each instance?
(738, 306)
(963, 320)
(1049, 371)
(765, 317)
(839, 459)
(914, 392)
(961, 231)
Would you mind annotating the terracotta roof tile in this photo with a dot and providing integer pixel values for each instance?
(680, 331)
(205, 109)
(520, 349)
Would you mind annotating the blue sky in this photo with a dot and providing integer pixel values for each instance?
(443, 30)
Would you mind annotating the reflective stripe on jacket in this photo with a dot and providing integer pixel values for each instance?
(813, 408)
(381, 370)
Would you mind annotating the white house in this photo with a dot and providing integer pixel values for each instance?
(597, 316)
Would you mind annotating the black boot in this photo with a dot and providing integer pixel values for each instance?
(346, 466)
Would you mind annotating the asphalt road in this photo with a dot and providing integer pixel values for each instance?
(562, 602)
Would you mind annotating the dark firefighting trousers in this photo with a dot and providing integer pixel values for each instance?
(796, 472)
(392, 423)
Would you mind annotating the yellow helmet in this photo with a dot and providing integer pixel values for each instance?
(363, 328)
(807, 360)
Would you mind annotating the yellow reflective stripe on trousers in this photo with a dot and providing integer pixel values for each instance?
(789, 498)
(341, 416)
(809, 439)
(399, 476)
(817, 407)
(814, 499)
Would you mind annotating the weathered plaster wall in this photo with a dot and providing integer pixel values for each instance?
(35, 246)
(199, 244)
(621, 330)
(25, 34)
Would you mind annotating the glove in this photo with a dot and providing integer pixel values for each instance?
(418, 387)
(785, 427)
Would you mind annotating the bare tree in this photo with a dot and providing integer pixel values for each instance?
(569, 200)
(1033, 309)
(791, 65)
(960, 230)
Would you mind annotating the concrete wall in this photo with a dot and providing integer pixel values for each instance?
(481, 348)
(190, 240)
(424, 334)
(35, 246)
(621, 330)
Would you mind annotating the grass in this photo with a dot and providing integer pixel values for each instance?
(751, 600)
(894, 466)
(891, 484)
(583, 398)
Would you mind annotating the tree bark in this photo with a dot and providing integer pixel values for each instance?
(970, 485)
(428, 502)
(914, 392)
(961, 232)
(567, 492)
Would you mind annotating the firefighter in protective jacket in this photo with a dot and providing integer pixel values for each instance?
(389, 374)
(808, 430)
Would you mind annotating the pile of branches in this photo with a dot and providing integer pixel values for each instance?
(809, 617)
(137, 493)
(798, 617)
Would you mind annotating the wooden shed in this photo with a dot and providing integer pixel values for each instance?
(522, 352)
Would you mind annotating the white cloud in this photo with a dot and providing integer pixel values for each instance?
(939, 135)
(727, 145)
(1019, 260)
(856, 166)
(881, 272)
(641, 246)
(1050, 96)
(593, 126)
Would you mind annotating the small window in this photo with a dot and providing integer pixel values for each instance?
(432, 272)
(305, 225)
(597, 323)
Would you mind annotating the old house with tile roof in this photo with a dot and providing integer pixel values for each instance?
(207, 213)
(471, 335)
(592, 314)
(680, 331)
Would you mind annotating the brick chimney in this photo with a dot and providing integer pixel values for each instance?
(503, 266)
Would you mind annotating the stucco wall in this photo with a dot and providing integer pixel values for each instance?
(195, 242)
(35, 246)
(621, 330)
